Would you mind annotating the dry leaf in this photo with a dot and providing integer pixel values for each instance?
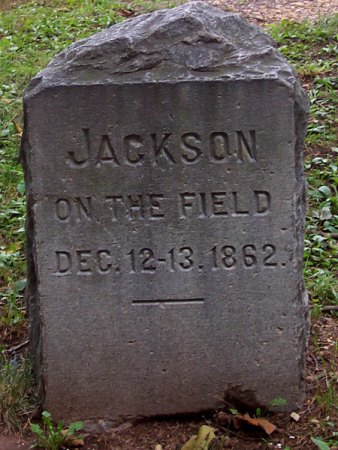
(202, 440)
(17, 127)
(158, 447)
(71, 440)
(63, 433)
(126, 13)
(237, 422)
(295, 416)
(265, 424)
(5, 100)
(15, 246)
(76, 443)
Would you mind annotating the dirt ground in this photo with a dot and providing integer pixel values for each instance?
(171, 434)
(259, 11)
(271, 11)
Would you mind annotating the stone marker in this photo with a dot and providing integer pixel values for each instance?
(163, 162)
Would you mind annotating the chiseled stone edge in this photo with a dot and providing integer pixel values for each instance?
(195, 41)
(32, 300)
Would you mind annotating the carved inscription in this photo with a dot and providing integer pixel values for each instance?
(161, 148)
(188, 206)
(184, 259)
(136, 207)
(85, 260)
(222, 204)
(79, 207)
(171, 301)
(120, 208)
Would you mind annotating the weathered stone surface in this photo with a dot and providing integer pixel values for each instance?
(163, 162)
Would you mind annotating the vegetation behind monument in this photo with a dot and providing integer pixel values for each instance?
(30, 37)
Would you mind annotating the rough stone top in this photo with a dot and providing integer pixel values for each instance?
(195, 41)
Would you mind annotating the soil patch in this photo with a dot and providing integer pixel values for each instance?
(13, 443)
(316, 151)
(272, 11)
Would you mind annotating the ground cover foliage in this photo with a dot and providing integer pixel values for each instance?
(30, 35)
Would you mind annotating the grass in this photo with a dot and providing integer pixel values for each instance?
(313, 50)
(17, 401)
(31, 34)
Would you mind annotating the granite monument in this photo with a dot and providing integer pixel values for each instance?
(166, 198)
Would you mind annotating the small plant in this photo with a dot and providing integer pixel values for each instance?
(275, 402)
(53, 438)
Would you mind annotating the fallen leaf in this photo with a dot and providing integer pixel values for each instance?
(265, 424)
(15, 246)
(158, 447)
(295, 416)
(5, 100)
(126, 13)
(19, 130)
(237, 422)
(76, 443)
(72, 440)
(202, 440)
